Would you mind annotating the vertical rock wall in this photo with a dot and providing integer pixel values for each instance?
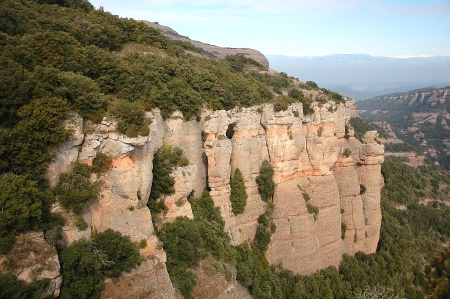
(308, 154)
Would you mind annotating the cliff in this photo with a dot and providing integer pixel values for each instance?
(309, 153)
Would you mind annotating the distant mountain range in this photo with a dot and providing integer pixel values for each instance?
(361, 76)
(420, 117)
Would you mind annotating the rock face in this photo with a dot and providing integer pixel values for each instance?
(32, 258)
(310, 154)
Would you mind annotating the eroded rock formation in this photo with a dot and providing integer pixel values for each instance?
(311, 154)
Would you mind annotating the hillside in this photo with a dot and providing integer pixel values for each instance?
(136, 166)
(420, 117)
(211, 50)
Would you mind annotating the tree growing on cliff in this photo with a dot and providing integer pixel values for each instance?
(266, 185)
(166, 158)
(74, 189)
(238, 195)
(21, 207)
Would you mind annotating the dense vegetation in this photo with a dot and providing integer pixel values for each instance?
(409, 239)
(416, 116)
(188, 241)
(165, 160)
(266, 185)
(84, 263)
(361, 127)
(62, 56)
(238, 195)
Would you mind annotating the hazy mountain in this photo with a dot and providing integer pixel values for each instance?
(362, 76)
(420, 117)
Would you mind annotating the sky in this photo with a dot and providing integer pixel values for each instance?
(395, 28)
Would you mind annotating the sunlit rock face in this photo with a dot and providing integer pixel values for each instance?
(310, 154)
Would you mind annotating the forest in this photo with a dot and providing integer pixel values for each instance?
(63, 56)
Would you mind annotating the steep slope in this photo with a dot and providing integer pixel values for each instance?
(102, 86)
(211, 50)
(308, 153)
(420, 117)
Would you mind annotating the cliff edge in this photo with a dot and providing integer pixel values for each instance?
(314, 154)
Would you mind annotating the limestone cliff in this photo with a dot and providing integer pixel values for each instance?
(310, 154)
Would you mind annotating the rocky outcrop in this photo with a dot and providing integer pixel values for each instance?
(32, 258)
(310, 154)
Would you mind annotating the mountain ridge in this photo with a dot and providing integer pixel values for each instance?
(216, 51)
(420, 117)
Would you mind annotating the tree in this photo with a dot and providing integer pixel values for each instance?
(266, 185)
(184, 247)
(438, 275)
(120, 251)
(74, 189)
(21, 205)
(238, 195)
(81, 268)
(165, 160)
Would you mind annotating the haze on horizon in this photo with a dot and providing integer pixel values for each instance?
(397, 28)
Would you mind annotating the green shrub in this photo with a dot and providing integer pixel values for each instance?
(101, 163)
(238, 195)
(362, 189)
(13, 288)
(320, 131)
(312, 209)
(80, 223)
(306, 196)
(74, 189)
(211, 226)
(347, 152)
(343, 230)
(266, 185)
(184, 247)
(165, 160)
(122, 254)
(346, 134)
(131, 116)
(21, 205)
(282, 103)
(81, 270)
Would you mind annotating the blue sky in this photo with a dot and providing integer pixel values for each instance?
(396, 28)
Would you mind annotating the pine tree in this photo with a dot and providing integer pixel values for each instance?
(238, 196)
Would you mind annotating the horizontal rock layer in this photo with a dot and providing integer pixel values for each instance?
(309, 154)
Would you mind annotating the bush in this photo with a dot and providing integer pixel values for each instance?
(312, 209)
(132, 120)
(121, 252)
(238, 195)
(266, 185)
(21, 205)
(343, 230)
(362, 189)
(74, 189)
(165, 160)
(211, 226)
(81, 269)
(282, 103)
(13, 288)
(184, 247)
(101, 163)
(347, 152)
